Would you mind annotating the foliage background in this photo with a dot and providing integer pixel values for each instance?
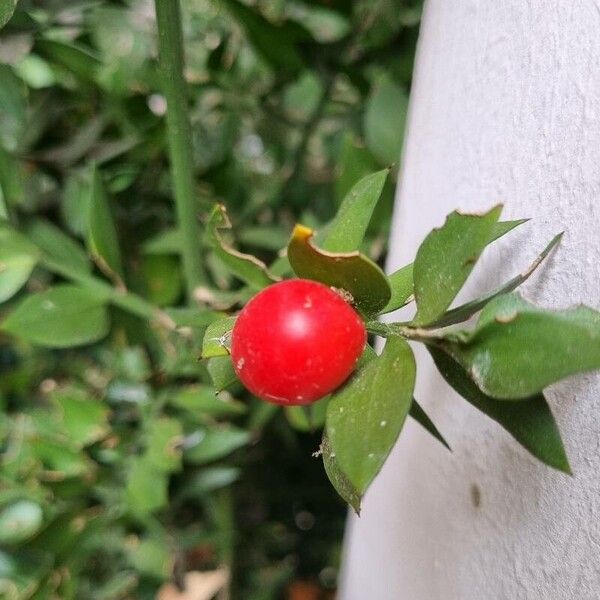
(119, 468)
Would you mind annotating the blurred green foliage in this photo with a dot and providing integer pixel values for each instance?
(120, 468)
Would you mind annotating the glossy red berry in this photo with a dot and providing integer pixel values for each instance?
(296, 341)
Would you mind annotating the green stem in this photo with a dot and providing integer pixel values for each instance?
(417, 334)
(170, 43)
(132, 303)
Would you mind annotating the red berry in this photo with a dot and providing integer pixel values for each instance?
(296, 341)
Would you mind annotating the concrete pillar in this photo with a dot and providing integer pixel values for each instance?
(505, 107)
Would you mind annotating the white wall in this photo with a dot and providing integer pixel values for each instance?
(505, 107)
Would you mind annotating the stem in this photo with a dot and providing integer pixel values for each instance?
(132, 303)
(417, 334)
(170, 43)
(226, 526)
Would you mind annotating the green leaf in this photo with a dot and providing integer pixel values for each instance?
(343, 486)
(152, 557)
(18, 257)
(465, 311)
(416, 411)
(83, 418)
(59, 247)
(163, 444)
(401, 282)
(102, 238)
(202, 400)
(217, 338)
(421, 417)
(275, 44)
(375, 403)
(517, 349)
(63, 316)
(347, 230)
(244, 266)
(355, 162)
(349, 271)
(168, 241)
(221, 371)
(208, 480)
(73, 58)
(163, 279)
(64, 461)
(216, 443)
(20, 521)
(146, 489)
(7, 8)
(501, 228)
(385, 119)
(530, 421)
(446, 258)
(307, 418)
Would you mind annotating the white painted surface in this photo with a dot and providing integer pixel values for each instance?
(505, 107)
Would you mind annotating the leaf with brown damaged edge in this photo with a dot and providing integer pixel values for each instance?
(446, 258)
(502, 360)
(501, 228)
(243, 266)
(349, 271)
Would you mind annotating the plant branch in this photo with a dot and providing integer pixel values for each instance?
(168, 17)
(417, 334)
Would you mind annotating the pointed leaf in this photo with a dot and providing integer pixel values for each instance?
(421, 417)
(274, 43)
(244, 266)
(354, 163)
(338, 479)
(385, 118)
(501, 228)
(446, 258)
(365, 417)
(530, 421)
(465, 311)
(517, 349)
(217, 338)
(216, 443)
(347, 230)
(102, 240)
(59, 247)
(348, 271)
(18, 257)
(401, 282)
(63, 316)
(202, 400)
